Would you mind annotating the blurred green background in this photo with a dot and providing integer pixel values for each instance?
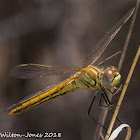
(63, 33)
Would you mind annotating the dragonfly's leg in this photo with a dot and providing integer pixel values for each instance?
(101, 95)
(120, 88)
(109, 100)
(111, 109)
(90, 110)
(109, 104)
(117, 90)
(101, 101)
(106, 96)
(92, 102)
(118, 118)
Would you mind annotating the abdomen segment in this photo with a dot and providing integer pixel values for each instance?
(60, 89)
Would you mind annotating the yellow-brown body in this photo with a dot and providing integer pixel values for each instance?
(86, 78)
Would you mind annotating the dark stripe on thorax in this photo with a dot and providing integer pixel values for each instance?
(85, 82)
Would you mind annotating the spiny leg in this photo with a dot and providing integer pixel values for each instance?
(106, 101)
(117, 90)
(109, 100)
(90, 110)
(101, 101)
(101, 95)
(118, 118)
(92, 103)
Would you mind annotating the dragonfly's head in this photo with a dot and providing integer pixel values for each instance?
(111, 77)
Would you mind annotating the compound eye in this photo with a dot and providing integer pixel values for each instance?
(109, 74)
(114, 69)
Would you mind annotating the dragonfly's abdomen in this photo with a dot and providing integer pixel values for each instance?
(61, 89)
(87, 78)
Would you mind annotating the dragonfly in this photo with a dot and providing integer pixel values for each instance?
(89, 76)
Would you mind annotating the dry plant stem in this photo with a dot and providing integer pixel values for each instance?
(122, 94)
(104, 112)
(128, 133)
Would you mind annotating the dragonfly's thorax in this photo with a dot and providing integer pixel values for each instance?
(89, 78)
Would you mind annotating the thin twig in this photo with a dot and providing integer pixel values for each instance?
(104, 112)
(122, 94)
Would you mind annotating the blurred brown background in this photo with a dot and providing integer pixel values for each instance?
(63, 33)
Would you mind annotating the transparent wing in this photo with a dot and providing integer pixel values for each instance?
(27, 71)
(104, 42)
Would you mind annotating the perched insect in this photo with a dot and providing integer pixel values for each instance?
(89, 76)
